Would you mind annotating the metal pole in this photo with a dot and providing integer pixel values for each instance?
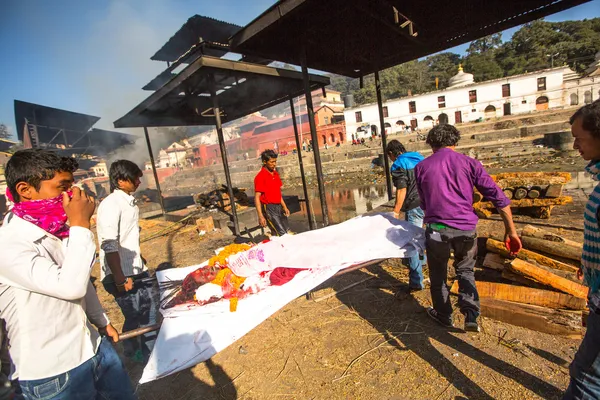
(313, 135)
(386, 162)
(311, 222)
(160, 198)
(217, 111)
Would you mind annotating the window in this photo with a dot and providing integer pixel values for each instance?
(358, 116)
(412, 106)
(385, 112)
(542, 83)
(326, 119)
(441, 101)
(472, 96)
(506, 90)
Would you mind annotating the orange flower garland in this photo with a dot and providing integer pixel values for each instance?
(230, 282)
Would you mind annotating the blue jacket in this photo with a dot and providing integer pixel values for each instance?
(403, 175)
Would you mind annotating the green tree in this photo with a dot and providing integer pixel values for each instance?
(443, 66)
(485, 44)
(4, 132)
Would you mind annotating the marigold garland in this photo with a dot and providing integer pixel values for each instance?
(228, 250)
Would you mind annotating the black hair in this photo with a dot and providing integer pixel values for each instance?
(123, 170)
(444, 135)
(34, 166)
(590, 118)
(266, 155)
(395, 147)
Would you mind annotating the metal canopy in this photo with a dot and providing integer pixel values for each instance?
(357, 38)
(242, 89)
(197, 28)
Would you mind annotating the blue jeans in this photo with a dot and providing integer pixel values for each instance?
(415, 264)
(585, 368)
(101, 377)
(139, 308)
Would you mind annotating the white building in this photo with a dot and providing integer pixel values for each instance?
(466, 101)
(100, 169)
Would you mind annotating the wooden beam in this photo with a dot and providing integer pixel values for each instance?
(532, 231)
(526, 295)
(554, 248)
(547, 278)
(511, 276)
(494, 261)
(541, 319)
(498, 247)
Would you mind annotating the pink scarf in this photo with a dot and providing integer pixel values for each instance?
(48, 214)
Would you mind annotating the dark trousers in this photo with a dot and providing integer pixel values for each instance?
(585, 368)
(276, 219)
(139, 308)
(464, 245)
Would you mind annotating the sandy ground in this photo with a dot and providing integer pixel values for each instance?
(364, 342)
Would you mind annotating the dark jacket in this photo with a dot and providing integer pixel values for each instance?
(403, 175)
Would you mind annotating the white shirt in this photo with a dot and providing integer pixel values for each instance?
(47, 299)
(117, 225)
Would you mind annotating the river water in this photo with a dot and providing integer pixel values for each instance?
(343, 203)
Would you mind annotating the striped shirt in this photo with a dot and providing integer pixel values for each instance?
(590, 258)
(119, 231)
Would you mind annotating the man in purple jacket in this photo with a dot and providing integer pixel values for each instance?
(445, 181)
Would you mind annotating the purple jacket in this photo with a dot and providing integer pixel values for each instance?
(445, 182)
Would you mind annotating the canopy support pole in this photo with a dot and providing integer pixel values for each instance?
(160, 197)
(315, 140)
(223, 147)
(386, 162)
(311, 222)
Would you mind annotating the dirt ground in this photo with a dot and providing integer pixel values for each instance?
(364, 342)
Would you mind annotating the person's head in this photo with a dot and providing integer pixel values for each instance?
(585, 128)
(394, 148)
(36, 174)
(440, 136)
(269, 159)
(124, 175)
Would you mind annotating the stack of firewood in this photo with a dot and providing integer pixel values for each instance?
(544, 293)
(219, 199)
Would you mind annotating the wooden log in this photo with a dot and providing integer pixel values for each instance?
(556, 249)
(540, 275)
(534, 232)
(511, 276)
(520, 193)
(508, 192)
(534, 192)
(498, 247)
(542, 319)
(494, 261)
(526, 295)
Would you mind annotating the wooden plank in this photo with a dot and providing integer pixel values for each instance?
(541, 319)
(511, 276)
(547, 278)
(553, 248)
(554, 190)
(526, 295)
(498, 247)
(494, 261)
(532, 231)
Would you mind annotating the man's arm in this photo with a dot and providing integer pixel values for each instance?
(286, 212)
(108, 232)
(93, 308)
(400, 196)
(400, 179)
(23, 267)
(261, 218)
(511, 238)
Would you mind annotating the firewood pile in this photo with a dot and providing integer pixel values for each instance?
(543, 293)
(532, 193)
(219, 199)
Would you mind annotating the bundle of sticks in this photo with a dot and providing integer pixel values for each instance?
(542, 292)
(219, 199)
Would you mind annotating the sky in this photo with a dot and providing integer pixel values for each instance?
(93, 57)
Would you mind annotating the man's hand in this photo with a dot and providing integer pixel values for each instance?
(262, 221)
(110, 331)
(126, 286)
(396, 215)
(286, 212)
(512, 243)
(79, 208)
(580, 273)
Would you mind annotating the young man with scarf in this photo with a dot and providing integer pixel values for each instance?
(123, 269)
(269, 203)
(445, 181)
(585, 368)
(46, 296)
(407, 201)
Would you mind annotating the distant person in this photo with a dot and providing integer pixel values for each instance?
(445, 181)
(337, 144)
(326, 146)
(303, 146)
(122, 267)
(270, 206)
(46, 297)
(407, 201)
(584, 370)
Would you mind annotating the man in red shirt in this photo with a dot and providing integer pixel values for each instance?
(270, 207)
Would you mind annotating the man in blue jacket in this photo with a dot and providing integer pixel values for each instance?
(407, 201)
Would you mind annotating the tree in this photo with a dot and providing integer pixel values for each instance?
(485, 44)
(4, 132)
(443, 66)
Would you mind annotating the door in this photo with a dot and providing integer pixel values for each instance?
(413, 124)
(457, 117)
(506, 108)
